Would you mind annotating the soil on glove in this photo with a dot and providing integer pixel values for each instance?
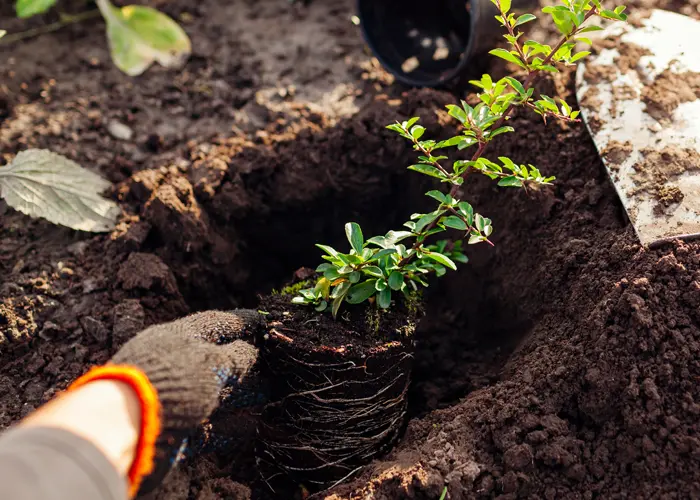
(562, 363)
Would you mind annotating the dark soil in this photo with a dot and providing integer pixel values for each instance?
(560, 364)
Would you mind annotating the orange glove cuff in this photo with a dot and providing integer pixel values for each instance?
(150, 415)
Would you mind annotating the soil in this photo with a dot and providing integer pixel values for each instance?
(668, 91)
(562, 363)
(659, 167)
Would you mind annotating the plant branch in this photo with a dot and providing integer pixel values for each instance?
(483, 144)
(66, 20)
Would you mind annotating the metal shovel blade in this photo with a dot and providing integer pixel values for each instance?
(640, 100)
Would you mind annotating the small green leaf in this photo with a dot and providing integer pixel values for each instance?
(139, 36)
(579, 56)
(454, 222)
(396, 280)
(504, 5)
(442, 259)
(525, 18)
(322, 306)
(516, 85)
(454, 141)
(299, 300)
(384, 298)
(510, 181)
(361, 292)
(417, 132)
(504, 54)
(380, 285)
(427, 170)
(457, 112)
(29, 8)
(354, 234)
(479, 222)
(336, 304)
(589, 29)
(329, 250)
(437, 195)
(355, 276)
(323, 268)
(381, 254)
(373, 271)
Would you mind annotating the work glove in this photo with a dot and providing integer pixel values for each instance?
(178, 370)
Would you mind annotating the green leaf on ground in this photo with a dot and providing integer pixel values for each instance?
(29, 8)
(40, 183)
(139, 36)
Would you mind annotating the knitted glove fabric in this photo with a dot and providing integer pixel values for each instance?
(187, 363)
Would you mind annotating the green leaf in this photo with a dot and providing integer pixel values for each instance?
(361, 292)
(139, 36)
(329, 250)
(579, 56)
(460, 257)
(355, 276)
(354, 234)
(299, 300)
(29, 8)
(479, 222)
(510, 181)
(396, 280)
(504, 54)
(380, 285)
(441, 259)
(40, 183)
(331, 274)
(437, 195)
(322, 268)
(322, 288)
(500, 130)
(417, 132)
(384, 298)
(322, 306)
(457, 112)
(373, 271)
(381, 254)
(454, 222)
(340, 290)
(525, 18)
(336, 305)
(3, 33)
(427, 170)
(589, 29)
(504, 5)
(410, 122)
(517, 86)
(454, 141)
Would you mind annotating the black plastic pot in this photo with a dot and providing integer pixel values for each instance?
(428, 43)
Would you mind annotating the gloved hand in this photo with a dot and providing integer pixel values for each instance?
(178, 370)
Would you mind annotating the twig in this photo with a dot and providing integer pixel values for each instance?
(66, 20)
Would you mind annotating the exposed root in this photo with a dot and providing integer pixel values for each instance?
(334, 418)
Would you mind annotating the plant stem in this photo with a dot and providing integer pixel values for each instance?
(484, 144)
(66, 19)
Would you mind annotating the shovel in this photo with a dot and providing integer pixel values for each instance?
(640, 100)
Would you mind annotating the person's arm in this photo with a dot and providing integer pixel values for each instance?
(105, 413)
(120, 426)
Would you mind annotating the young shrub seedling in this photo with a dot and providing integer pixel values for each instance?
(138, 36)
(400, 261)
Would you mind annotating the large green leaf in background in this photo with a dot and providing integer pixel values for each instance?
(40, 183)
(29, 8)
(139, 36)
